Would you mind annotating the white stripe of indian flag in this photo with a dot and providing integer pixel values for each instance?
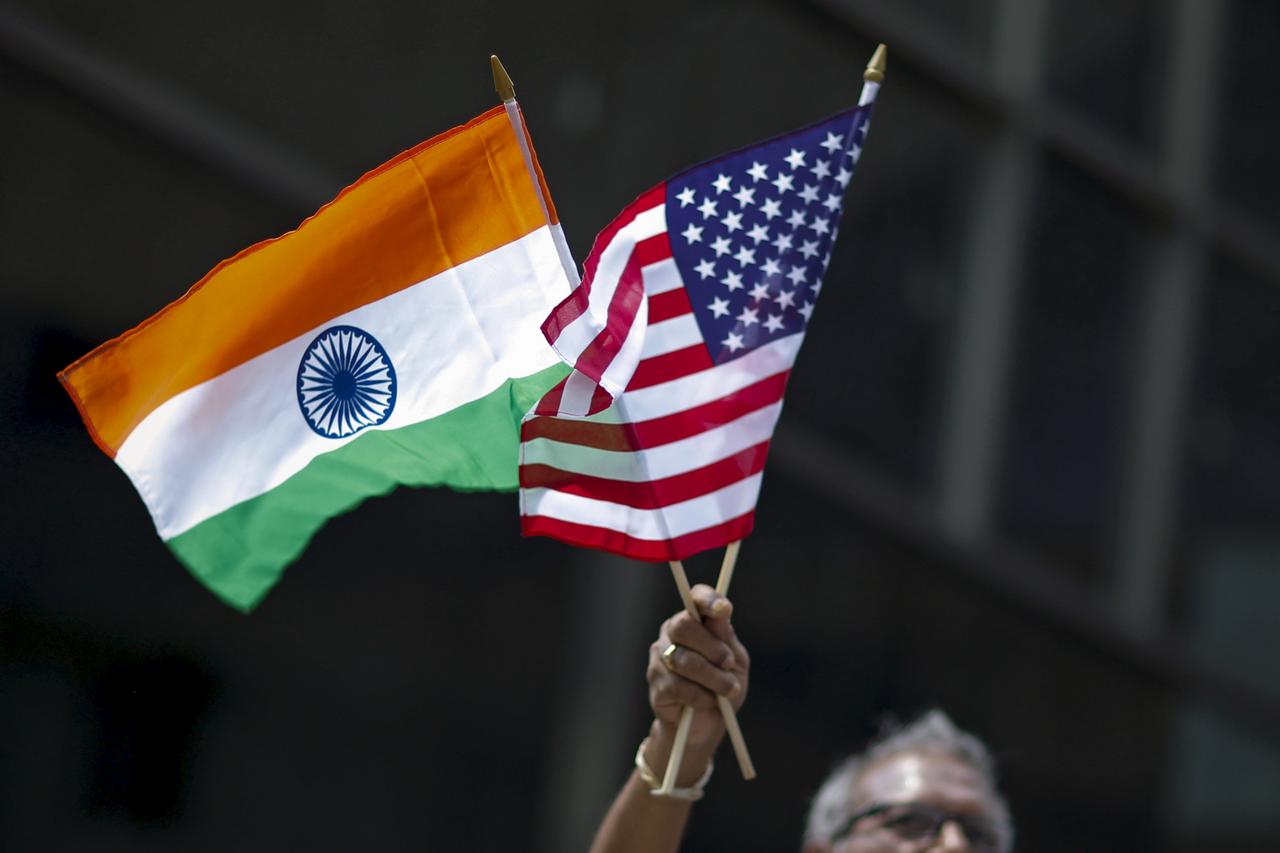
(236, 479)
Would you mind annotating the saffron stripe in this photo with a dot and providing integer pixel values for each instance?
(448, 200)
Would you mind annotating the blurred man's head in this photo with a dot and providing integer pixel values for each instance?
(925, 787)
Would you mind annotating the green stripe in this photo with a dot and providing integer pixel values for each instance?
(241, 552)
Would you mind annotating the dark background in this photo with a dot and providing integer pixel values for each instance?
(1029, 469)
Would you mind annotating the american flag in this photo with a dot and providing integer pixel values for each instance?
(693, 306)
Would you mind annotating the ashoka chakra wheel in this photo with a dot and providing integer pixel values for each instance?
(346, 382)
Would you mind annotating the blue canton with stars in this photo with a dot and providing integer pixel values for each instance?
(751, 232)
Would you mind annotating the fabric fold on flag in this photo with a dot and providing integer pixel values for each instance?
(391, 339)
(682, 335)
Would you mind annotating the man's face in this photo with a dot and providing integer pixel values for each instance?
(912, 794)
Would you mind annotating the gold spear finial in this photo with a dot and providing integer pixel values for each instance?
(502, 80)
(875, 68)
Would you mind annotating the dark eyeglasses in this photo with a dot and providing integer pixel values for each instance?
(922, 822)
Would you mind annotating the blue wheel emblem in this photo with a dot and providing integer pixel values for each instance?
(345, 382)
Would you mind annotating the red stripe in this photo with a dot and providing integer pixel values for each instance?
(650, 494)
(550, 402)
(652, 250)
(669, 366)
(652, 550)
(600, 400)
(585, 433)
(576, 302)
(623, 307)
(649, 199)
(659, 431)
(665, 306)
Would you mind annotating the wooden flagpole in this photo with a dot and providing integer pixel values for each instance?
(726, 708)
(507, 92)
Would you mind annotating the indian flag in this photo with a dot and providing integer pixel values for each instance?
(393, 338)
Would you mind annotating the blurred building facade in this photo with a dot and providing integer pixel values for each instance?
(1029, 469)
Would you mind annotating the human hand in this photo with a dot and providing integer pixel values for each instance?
(709, 660)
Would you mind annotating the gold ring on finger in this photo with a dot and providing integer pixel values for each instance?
(667, 654)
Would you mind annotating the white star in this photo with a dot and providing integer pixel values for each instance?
(809, 193)
(772, 323)
(785, 298)
(782, 242)
(854, 153)
(806, 309)
(797, 274)
(708, 208)
(732, 280)
(746, 256)
(719, 307)
(784, 183)
(760, 291)
(733, 342)
(748, 317)
(685, 196)
(770, 267)
(722, 184)
(693, 233)
(832, 143)
(771, 208)
(732, 221)
(745, 196)
(796, 219)
(809, 248)
(720, 246)
(757, 171)
(758, 233)
(821, 169)
(843, 176)
(706, 269)
(820, 225)
(832, 203)
(795, 159)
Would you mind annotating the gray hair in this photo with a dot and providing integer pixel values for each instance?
(931, 732)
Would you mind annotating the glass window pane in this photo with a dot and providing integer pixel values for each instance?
(1232, 452)
(1225, 778)
(1066, 407)
(1248, 123)
(1106, 62)
(966, 23)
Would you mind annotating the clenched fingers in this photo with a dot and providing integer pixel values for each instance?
(682, 630)
(675, 692)
(690, 665)
(717, 611)
(711, 604)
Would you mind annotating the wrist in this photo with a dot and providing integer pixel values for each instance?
(671, 789)
(697, 755)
